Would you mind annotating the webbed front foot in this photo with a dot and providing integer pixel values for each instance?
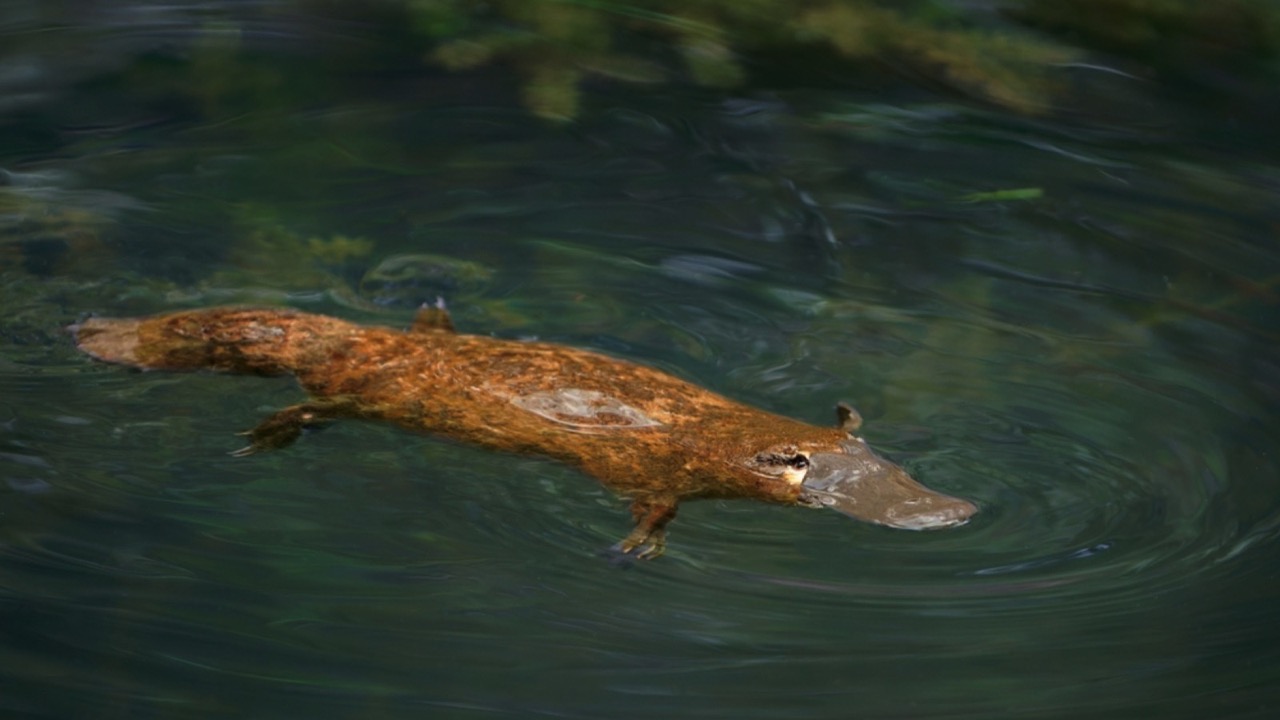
(648, 539)
(650, 547)
(284, 427)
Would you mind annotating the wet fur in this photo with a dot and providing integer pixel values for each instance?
(681, 442)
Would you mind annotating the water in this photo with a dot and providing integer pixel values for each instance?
(1089, 356)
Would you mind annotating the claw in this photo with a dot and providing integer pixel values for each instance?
(285, 426)
(649, 548)
(653, 549)
(648, 539)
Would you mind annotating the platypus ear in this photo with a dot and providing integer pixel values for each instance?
(433, 318)
(847, 419)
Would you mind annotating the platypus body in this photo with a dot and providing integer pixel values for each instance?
(645, 434)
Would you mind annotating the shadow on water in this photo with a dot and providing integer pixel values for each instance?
(1068, 319)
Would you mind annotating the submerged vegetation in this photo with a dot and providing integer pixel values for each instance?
(47, 228)
(554, 54)
(1177, 36)
(1004, 59)
(556, 45)
(272, 140)
(272, 252)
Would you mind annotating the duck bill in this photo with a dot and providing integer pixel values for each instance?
(869, 488)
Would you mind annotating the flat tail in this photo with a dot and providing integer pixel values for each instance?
(113, 340)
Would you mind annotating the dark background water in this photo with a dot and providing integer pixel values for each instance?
(1052, 291)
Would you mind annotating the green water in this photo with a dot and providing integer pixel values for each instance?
(1069, 318)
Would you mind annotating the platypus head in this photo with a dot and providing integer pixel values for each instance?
(863, 485)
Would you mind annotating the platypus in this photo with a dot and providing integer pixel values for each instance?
(645, 434)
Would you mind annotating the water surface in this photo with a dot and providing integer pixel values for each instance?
(1069, 319)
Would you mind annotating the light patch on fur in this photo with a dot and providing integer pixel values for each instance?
(584, 410)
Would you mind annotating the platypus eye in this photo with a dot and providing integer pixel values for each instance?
(784, 462)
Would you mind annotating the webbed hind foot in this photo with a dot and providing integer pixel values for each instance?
(648, 540)
(649, 548)
(284, 427)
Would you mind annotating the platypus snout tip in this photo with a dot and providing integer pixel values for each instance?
(867, 487)
(929, 513)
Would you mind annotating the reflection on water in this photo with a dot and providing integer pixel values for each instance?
(1092, 363)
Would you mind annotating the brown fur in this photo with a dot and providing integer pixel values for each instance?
(643, 433)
